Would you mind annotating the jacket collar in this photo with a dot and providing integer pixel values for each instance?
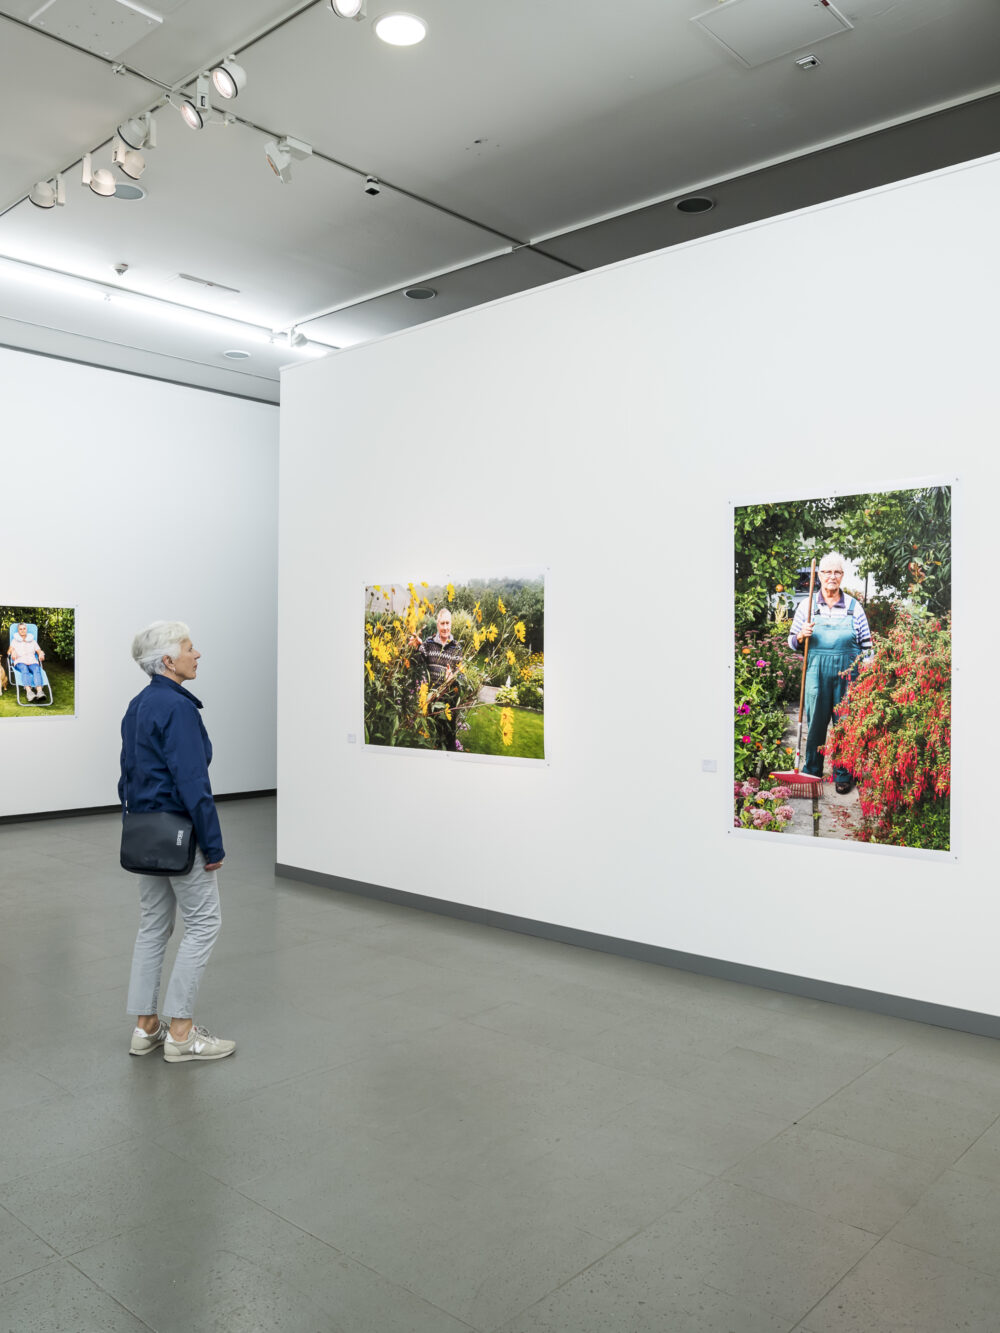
(165, 683)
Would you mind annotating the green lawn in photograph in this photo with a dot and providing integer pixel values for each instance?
(63, 695)
(483, 736)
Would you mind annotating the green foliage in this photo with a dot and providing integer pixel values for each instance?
(759, 718)
(531, 694)
(56, 628)
(509, 694)
(893, 735)
(484, 736)
(61, 679)
(524, 601)
(903, 540)
(762, 806)
(772, 541)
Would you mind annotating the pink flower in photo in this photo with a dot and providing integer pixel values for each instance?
(760, 662)
(745, 740)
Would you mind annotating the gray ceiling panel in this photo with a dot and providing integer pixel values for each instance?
(567, 127)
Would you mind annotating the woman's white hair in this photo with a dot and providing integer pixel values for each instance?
(163, 638)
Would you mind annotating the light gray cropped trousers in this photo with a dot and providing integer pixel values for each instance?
(197, 896)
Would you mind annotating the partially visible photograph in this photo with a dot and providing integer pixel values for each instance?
(456, 666)
(37, 650)
(842, 700)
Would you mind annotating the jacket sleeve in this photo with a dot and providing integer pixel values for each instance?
(184, 754)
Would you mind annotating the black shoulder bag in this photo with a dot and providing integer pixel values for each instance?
(157, 842)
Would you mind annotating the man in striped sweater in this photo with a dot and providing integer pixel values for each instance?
(837, 631)
(441, 655)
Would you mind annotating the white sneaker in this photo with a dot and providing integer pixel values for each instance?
(200, 1045)
(144, 1042)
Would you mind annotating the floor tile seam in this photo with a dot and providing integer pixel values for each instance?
(351, 1258)
(780, 1314)
(800, 1326)
(866, 1143)
(70, 1157)
(110, 1295)
(804, 1208)
(990, 1273)
(727, 1179)
(555, 1050)
(41, 1239)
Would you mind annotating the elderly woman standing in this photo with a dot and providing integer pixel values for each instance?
(837, 630)
(164, 766)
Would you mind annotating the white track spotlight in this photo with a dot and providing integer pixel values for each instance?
(134, 133)
(129, 162)
(100, 181)
(195, 110)
(281, 153)
(46, 194)
(348, 9)
(229, 79)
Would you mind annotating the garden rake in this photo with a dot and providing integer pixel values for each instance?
(797, 782)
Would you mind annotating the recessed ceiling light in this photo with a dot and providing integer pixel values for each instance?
(234, 354)
(400, 29)
(126, 190)
(695, 203)
(420, 293)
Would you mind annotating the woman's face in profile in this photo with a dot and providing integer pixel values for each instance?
(185, 664)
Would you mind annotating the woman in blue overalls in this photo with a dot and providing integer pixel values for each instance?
(837, 629)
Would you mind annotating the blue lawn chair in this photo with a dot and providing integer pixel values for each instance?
(18, 674)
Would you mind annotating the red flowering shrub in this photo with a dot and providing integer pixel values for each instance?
(893, 734)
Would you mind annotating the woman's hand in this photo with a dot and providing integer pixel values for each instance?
(214, 865)
(806, 630)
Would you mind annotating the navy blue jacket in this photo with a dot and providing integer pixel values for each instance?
(165, 757)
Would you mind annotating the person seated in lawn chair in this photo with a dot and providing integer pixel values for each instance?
(26, 660)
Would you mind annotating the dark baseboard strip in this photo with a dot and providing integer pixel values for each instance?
(853, 997)
(113, 809)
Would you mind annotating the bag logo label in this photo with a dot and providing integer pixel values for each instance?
(180, 837)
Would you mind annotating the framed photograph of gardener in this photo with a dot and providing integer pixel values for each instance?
(842, 698)
(456, 665)
(37, 676)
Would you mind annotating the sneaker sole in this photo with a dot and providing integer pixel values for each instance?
(187, 1056)
(149, 1049)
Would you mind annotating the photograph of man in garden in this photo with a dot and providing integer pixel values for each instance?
(441, 655)
(456, 665)
(871, 759)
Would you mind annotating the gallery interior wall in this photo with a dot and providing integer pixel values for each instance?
(135, 500)
(603, 427)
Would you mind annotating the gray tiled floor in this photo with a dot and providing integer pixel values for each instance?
(431, 1126)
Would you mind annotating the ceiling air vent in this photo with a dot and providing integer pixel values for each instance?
(756, 31)
(219, 288)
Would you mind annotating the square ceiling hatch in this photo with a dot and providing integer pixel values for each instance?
(756, 31)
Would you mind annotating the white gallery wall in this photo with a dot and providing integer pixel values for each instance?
(135, 500)
(603, 427)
